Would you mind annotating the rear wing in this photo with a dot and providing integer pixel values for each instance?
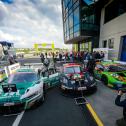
(9, 88)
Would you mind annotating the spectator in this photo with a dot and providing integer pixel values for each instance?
(118, 102)
(46, 54)
(102, 55)
(60, 56)
(71, 57)
(91, 65)
(97, 55)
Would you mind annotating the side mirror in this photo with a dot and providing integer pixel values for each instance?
(37, 82)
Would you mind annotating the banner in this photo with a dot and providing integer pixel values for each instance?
(12, 68)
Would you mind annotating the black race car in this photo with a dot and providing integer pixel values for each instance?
(74, 79)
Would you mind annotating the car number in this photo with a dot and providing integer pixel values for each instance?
(72, 82)
(82, 88)
(9, 104)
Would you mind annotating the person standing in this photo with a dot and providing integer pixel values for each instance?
(102, 55)
(42, 57)
(60, 56)
(46, 54)
(91, 65)
(121, 103)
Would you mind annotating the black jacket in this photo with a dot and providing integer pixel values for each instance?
(120, 103)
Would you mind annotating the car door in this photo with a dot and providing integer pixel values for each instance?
(54, 79)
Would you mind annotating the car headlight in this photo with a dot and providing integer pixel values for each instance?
(31, 92)
(120, 78)
(115, 75)
(33, 95)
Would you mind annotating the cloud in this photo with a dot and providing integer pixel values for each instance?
(26, 22)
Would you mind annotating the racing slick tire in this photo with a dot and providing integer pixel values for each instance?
(104, 79)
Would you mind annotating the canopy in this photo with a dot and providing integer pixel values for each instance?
(4, 43)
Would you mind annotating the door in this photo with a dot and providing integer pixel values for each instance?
(54, 79)
(123, 53)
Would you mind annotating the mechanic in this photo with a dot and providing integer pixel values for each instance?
(42, 57)
(91, 65)
(118, 102)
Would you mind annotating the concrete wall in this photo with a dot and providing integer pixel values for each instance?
(113, 29)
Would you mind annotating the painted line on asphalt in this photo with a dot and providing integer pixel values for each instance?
(18, 119)
(95, 116)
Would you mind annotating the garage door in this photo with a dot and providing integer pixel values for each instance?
(123, 54)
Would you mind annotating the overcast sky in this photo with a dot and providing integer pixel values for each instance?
(26, 22)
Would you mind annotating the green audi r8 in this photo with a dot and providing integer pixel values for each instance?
(23, 89)
(111, 73)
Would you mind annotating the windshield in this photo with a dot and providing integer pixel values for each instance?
(22, 78)
(70, 70)
(118, 68)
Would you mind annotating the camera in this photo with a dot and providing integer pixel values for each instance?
(122, 89)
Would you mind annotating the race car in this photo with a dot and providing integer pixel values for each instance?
(49, 75)
(75, 79)
(111, 73)
(21, 91)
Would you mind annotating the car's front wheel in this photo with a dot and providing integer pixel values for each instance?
(104, 79)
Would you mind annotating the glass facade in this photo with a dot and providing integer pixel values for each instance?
(79, 21)
(115, 9)
(71, 18)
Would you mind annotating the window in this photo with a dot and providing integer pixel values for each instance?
(76, 16)
(71, 30)
(76, 28)
(22, 78)
(71, 20)
(70, 70)
(104, 44)
(76, 34)
(114, 9)
(100, 67)
(111, 43)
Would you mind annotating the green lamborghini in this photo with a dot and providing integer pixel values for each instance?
(111, 73)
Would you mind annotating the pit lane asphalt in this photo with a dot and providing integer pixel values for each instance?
(102, 102)
(57, 110)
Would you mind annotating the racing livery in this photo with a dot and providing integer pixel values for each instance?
(26, 86)
(111, 73)
(21, 91)
(75, 79)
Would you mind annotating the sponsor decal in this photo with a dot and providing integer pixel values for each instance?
(12, 68)
(53, 75)
(2, 75)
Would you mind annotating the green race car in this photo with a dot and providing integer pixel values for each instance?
(23, 89)
(111, 73)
